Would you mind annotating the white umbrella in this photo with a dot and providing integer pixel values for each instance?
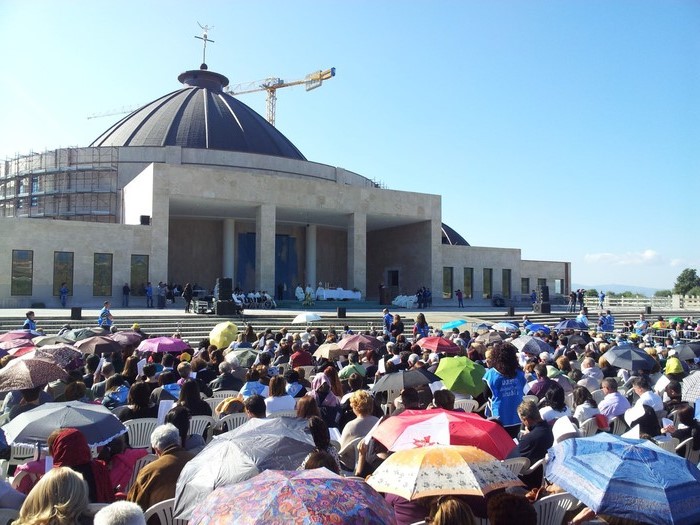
(306, 317)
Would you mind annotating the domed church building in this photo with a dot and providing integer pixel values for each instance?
(196, 186)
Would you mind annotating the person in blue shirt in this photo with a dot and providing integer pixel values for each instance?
(388, 319)
(601, 299)
(504, 384)
(149, 295)
(105, 318)
(29, 322)
(63, 294)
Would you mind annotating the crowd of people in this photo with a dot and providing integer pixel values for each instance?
(538, 397)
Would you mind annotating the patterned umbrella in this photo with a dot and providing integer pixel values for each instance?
(98, 345)
(127, 338)
(489, 338)
(629, 357)
(628, 478)
(95, 422)
(223, 334)
(309, 497)
(65, 356)
(691, 387)
(461, 375)
(51, 340)
(330, 351)
(438, 470)
(438, 345)
(19, 334)
(531, 345)
(359, 343)
(30, 373)
(163, 344)
(416, 428)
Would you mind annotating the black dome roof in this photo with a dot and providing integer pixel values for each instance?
(449, 236)
(199, 115)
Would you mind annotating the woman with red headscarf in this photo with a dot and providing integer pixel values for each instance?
(70, 449)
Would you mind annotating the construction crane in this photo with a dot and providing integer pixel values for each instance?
(271, 85)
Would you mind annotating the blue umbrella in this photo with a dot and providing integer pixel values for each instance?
(533, 327)
(570, 324)
(482, 327)
(453, 324)
(628, 478)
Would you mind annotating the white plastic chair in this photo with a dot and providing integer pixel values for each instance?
(668, 444)
(203, 426)
(540, 463)
(232, 421)
(223, 394)
(598, 395)
(7, 516)
(516, 465)
(688, 453)
(139, 431)
(164, 512)
(19, 454)
(589, 427)
(551, 509)
(284, 413)
(468, 405)
(140, 463)
(618, 425)
(213, 402)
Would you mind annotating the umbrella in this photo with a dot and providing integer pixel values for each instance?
(306, 318)
(359, 343)
(30, 373)
(65, 356)
(163, 344)
(629, 357)
(687, 351)
(51, 340)
(19, 334)
(22, 350)
(438, 345)
(330, 351)
(245, 356)
(691, 387)
(628, 478)
(676, 320)
(127, 337)
(483, 327)
(660, 325)
(98, 345)
(505, 326)
(77, 334)
(570, 324)
(404, 379)
(575, 340)
(533, 327)
(279, 443)
(309, 497)
(95, 422)
(223, 334)
(453, 324)
(416, 428)
(12, 344)
(489, 338)
(461, 375)
(439, 470)
(531, 345)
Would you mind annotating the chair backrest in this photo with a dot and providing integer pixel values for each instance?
(516, 465)
(551, 509)
(7, 516)
(598, 395)
(686, 449)
(213, 402)
(618, 425)
(164, 512)
(668, 444)
(223, 394)
(468, 405)
(140, 463)
(284, 413)
(20, 454)
(392, 394)
(232, 421)
(202, 425)
(350, 449)
(139, 431)
(589, 427)
(534, 399)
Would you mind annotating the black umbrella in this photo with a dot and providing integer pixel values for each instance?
(629, 357)
(408, 379)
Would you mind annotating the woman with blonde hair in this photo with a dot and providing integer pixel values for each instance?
(59, 498)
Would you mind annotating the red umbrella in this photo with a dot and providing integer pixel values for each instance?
(359, 343)
(15, 343)
(19, 351)
(98, 344)
(29, 374)
(163, 344)
(438, 345)
(18, 334)
(416, 428)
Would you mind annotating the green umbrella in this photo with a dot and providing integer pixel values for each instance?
(461, 375)
(675, 320)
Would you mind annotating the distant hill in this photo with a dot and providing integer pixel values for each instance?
(617, 288)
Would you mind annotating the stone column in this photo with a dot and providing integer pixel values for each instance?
(310, 256)
(357, 252)
(266, 217)
(229, 242)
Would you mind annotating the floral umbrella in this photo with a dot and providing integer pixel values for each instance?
(437, 470)
(29, 373)
(65, 356)
(309, 497)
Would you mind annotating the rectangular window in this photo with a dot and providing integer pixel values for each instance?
(505, 283)
(447, 282)
(559, 286)
(525, 286)
(22, 272)
(468, 283)
(139, 274)
(488, 283)
(62, 271)
(102, 275)
(541, 282)
(392, 278)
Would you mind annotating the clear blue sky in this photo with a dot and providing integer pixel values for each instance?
(569, 129)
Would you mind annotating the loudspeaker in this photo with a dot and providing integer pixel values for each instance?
(145, 220)
(647, 310)
(224, 308)
(542, 308)
(341, 312)
(225, 288)
(543, 294)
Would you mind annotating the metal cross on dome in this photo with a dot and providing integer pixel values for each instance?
(205, 39)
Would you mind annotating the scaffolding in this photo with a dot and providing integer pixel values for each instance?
(67, 184)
